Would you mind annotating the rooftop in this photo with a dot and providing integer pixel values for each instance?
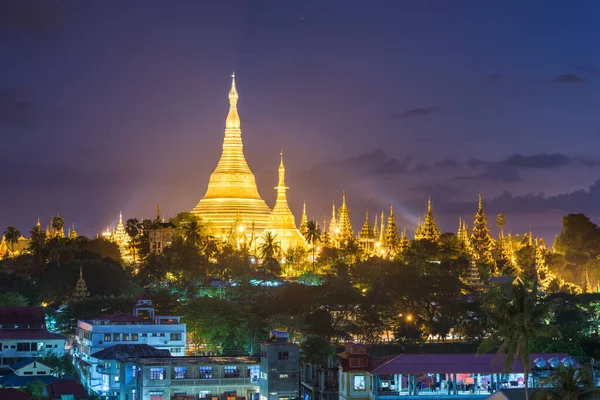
(60, 388)
(200, 360)
(453, 363)
(29, 334)
(13, 394)
(130, 350)
(22, 316)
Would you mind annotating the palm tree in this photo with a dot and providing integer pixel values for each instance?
(132, 228)
(38, 241)
(312, 236)
(450, 245)
(58, 223)
(192, 231)
(12, 235)
(568, 383)
(518, 316)
(270, 247)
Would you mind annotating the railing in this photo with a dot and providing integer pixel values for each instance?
(214, 382)
(101, 369)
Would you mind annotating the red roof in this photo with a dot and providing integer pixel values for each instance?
(29, 334)
(22, 315)
(13, 394)
(453, 363)
(65, 387)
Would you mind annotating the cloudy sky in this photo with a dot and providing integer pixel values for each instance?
(109, 106)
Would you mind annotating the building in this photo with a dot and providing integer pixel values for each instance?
(23, 334)
(319, 382)
(232, 193)
(282, 223)
(140, 327)
(66, 389)
(13, 394)
(279, 368)
(160, 236)
(440, 375)
(27, 371)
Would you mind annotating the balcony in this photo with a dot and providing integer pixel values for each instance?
(101, 369)
(215, 382)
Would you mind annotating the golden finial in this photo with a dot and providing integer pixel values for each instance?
(391, 210)
(233, 119)
(429, 204)
(480, 206)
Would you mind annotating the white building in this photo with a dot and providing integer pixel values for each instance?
(23, 334)
(140, 327)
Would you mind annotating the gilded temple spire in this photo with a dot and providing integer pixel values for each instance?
(81, 291)
(481, 241)
(304, 221)
(391, 232)
(333, 224)
(281, 221)
(232, 186)
(376, 229)
(382, 228)
(429, 230)
(345, 225)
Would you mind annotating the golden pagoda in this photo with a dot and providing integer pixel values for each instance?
(281, 221)
(232, 186)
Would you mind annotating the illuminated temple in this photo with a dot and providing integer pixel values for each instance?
(232, 196)
(282, 222)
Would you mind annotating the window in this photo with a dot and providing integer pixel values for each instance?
(162, 335)
(179, 373)
(231, 371)
(116, 337)
(154, 335)
(205, 394)
(175, 336)
(23, 347)
(253, 372)
(283, 376)
(359, 382)
(48, 346)
(107, 337)
(41, 372)
(176, 350)
(117, 379)
(157, 373)
(283, 355)
(144, 335)
(134, 337)
(126, 337)
(205, 372)
(28, 373)
(133, 371)
(284, 398)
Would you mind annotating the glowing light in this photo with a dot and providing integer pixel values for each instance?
(409, 317)
(44, 304)
(241, 229)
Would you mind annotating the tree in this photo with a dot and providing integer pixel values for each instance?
(568, 383)
(517, 317)
(12, 235)
(37, 241)
(270, 247)
(192, 231)
(316, 350)
(12, 299)
(132, 228)
(312, 236)
(58, 223)
(35, 389)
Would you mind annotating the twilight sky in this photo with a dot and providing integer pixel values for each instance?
(109, 106)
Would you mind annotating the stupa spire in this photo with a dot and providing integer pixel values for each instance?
(81, 291)
(281, 221)
(232, 185)
(304, 221)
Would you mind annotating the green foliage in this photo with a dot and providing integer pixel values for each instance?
(103, 278)
(60, 365)
(316, 350)
(12, 235)
(90, 308)
(35, 389)
(12, 299)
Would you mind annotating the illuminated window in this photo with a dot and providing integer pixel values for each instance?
(359, 382)
(116, 337)
(283, 376)
(205, 372)
(134, 337)
(231, 371)
(157, 373)
(179, 373)
(175, 336)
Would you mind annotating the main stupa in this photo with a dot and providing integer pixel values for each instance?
(232, 196)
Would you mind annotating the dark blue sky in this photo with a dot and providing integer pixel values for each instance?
(108, 106)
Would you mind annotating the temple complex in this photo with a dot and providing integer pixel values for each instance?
(281, 221)
(232, 191)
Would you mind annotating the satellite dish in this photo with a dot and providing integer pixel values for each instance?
(554, 362)
(539, 363)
